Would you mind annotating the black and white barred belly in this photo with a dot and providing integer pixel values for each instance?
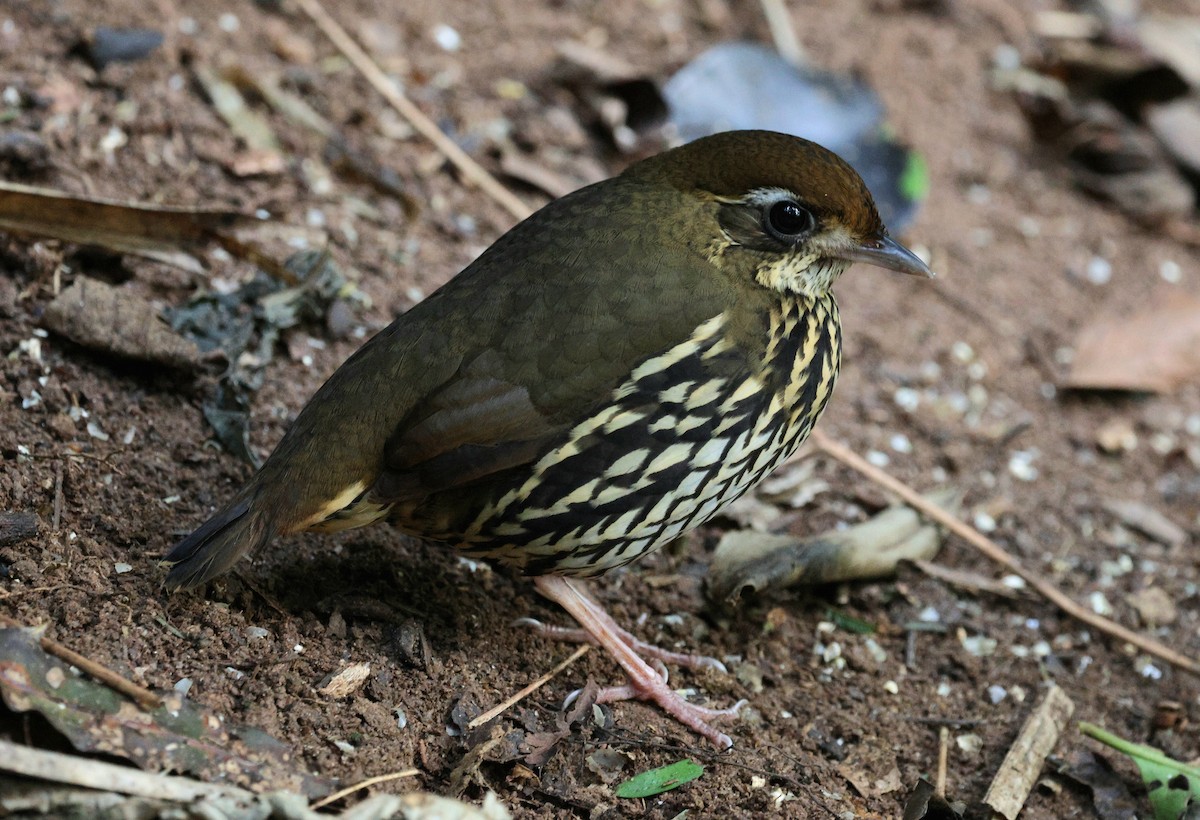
(689, 431)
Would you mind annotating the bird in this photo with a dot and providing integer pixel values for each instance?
(605, 377)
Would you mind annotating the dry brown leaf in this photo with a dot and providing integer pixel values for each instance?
(115, 320)
(153, 231)
(1156, 350)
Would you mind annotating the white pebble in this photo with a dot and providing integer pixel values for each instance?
(229, 23)
(1006, 57)
(1170, 271)
(1020, 464)
(944, 689)
(962, 352)
(984, 522)
(95, 431)
(1099, 603)
(1099, 270)
(1149, 669)
(929, 615)
(900, 443)
(447, 37)
(188, 26)
(996, 693)
(878, 459)
(183, 685)
(891, 687)
(907, 399)
(121, 568)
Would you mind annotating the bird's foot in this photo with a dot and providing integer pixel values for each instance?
(646, 650)
(657, 691)
(644, 682)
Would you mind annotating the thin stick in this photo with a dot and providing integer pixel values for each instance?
(782, 33)
(370, 781)
(96, 774)
(530, 689)
(108, 677)
(997, 553)
(471, 170)
(939, 788)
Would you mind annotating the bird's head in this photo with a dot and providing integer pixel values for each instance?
(782, 210)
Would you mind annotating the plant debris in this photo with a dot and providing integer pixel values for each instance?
(179, 735)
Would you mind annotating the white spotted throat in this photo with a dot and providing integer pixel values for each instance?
(606, 376)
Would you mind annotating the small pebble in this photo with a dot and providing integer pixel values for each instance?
(121, 567)
(878, 459)
(1099, 270)
(1170, 271)
(229, 23)
(907, 399)
(891, 687)
(1020, 464)
(962, 352)
(900, 443)
(183, 685)
(446, 37)
(996, 693)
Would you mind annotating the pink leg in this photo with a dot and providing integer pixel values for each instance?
(644, 682)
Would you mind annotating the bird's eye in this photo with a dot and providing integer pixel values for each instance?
(788, 220)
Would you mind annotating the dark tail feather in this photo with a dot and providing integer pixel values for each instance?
(217, 544)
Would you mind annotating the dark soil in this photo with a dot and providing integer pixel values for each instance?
(824, 736)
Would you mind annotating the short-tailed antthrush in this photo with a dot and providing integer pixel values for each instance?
(609, 374)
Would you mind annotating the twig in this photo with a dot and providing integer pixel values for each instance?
(939, 788)
(58, 497)
(528, 690)
(997, 553)
(370, 781)
(1014, 780)
(782, 33)
(96, 774)
(471, 170)
(108, 677)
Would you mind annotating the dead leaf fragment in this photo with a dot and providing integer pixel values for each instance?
(749, 561)
(1154, 607)
(1156, 350)
(1148, 521)
(115, 320)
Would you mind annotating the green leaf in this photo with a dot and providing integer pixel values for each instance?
(849, 623)
(1173, 786)
(914, 181)
(662, 779)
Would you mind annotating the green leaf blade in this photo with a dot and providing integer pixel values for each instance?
(663, 779)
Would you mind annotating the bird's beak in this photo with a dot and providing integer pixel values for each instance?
(885, 252)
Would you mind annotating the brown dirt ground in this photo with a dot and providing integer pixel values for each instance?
(1007, 232)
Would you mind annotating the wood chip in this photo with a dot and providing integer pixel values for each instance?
(1023, 763)
(347, 682)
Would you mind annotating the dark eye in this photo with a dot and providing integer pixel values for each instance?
(788, 220)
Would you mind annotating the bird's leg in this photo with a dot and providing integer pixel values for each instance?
(644, 682)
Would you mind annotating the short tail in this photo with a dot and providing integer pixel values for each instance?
(218, 543)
